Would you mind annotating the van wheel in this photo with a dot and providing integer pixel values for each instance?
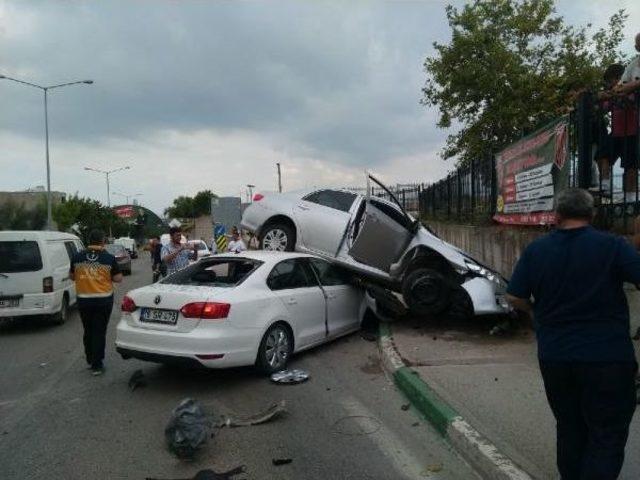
(279, 237)
(275, 349)
(426, 292)
(61, 317)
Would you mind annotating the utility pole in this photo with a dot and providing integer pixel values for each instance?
(279, 178)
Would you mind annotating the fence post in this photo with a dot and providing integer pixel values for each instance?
(494, 185)
(473, 187)
(449, 196)
(459, 194)
(583, 118)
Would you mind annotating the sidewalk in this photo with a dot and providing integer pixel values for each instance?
(495, 385)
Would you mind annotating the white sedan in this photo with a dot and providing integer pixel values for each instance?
(252, 308)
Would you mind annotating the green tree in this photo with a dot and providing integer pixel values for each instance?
(191, 207)
(15, 216)
(511, 66)
(81, 215)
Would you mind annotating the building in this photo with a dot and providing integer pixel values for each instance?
(31, 198)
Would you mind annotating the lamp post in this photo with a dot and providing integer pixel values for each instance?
(46, 131)
(106, 174)
(127, 195)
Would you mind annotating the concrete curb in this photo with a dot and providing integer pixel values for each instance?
(483, 456)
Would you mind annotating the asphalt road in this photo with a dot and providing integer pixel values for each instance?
(346, 422)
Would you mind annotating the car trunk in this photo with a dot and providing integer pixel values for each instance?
(170, 299)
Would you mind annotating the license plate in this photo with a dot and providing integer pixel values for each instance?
(159, 316)
(9, 302)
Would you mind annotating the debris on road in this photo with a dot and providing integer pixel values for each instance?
(137, 380)
(274, 411)
(501, 328)
(281, 461)
(188, 429)
(43, 364)
(405, 407)
(290, 376)
(209, 474)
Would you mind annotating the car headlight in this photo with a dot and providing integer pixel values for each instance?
(483, 272)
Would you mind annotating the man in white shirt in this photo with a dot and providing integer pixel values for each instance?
(236, 245)
(630, 80)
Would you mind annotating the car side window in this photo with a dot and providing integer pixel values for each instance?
(71, 249)
(335, 199)
(392, 213)
(289, 274)
(329, 275)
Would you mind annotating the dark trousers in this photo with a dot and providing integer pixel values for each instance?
(593, 404)
(95, 320)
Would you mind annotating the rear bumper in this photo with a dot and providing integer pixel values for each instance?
(35, 304)
(237, 347)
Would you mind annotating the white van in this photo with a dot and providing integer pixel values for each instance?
(129, 244)
(34, 273)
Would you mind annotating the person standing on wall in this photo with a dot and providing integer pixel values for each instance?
(571, 280)
(94, 271)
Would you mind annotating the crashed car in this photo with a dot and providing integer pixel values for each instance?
(384, 245)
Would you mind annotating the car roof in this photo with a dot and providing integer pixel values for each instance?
(36, 235)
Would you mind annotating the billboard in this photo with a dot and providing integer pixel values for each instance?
(530, 173)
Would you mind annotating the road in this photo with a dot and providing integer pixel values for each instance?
(346, 422)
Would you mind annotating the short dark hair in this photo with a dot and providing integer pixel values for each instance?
(96, 236)
(575, 203)
(614, 72)
(173, 230)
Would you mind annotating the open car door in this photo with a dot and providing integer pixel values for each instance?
(382, 232)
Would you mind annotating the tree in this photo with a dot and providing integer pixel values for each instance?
(191, 207)
(81, 215)
(510, 67)
(15, 216)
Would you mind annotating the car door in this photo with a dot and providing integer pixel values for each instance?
(343, 299)
(383, 234)
(323, 217)
(69, 284)
(293, 282)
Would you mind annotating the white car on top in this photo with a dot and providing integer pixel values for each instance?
(254, 308)
(379, 241)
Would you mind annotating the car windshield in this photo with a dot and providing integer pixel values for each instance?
(20, 256)
(115, 249)
(219, 272)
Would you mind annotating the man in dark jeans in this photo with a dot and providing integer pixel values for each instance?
(571, 280)
(94, 271)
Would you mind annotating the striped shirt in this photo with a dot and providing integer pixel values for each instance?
(179, 262)
(93, 270)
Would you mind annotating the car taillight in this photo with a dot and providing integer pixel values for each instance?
(128, 305)
(257, 197)
(206, 310)
(47, 285)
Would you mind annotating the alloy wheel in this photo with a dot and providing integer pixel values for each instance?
(275, 239)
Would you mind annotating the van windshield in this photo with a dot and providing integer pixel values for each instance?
(20, 256)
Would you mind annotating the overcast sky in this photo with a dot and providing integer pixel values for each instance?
(199, 95)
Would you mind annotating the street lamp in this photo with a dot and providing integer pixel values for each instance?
(127, 195)
(251, 187)
(46, 131)
(106, 174)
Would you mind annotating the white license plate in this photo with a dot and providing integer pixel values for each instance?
(9, 302)
(159, 316)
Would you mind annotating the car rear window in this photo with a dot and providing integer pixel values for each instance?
(221, 272)
(20, 256)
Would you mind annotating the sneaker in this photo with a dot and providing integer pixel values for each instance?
(97, 370)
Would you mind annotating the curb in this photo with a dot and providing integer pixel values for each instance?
(476, 449)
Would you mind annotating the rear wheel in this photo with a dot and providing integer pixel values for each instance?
(61, 317)
(279, 237)
(275, 349)
(426, 292)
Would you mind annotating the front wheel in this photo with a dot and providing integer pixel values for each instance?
(278, 237)
(426, 292)
(275, 349)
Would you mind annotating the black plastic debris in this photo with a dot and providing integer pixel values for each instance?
(187, 430)
(136, 380)
(274, 411)
(209, 474)
(405, 407)
(281, 461)
(290, 376)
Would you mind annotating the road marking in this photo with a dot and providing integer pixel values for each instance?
(407, 465)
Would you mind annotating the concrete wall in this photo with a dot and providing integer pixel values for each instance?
(496, 246)
(30, 200)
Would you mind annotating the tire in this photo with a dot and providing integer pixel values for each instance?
(426, 292)
(61, 317)
(279, 237)
(275, 349)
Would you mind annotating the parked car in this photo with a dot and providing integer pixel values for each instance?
(34, 274)
(254, 308)
(202, 248)
(129, 244)
(122, 257)
(382, 243)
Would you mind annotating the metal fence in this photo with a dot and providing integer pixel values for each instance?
(408, 195)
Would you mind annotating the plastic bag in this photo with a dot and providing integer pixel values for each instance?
(188, 429)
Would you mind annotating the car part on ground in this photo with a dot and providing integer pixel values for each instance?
(188, 429)
(289, 377)
(209, 474)
(272, 412)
